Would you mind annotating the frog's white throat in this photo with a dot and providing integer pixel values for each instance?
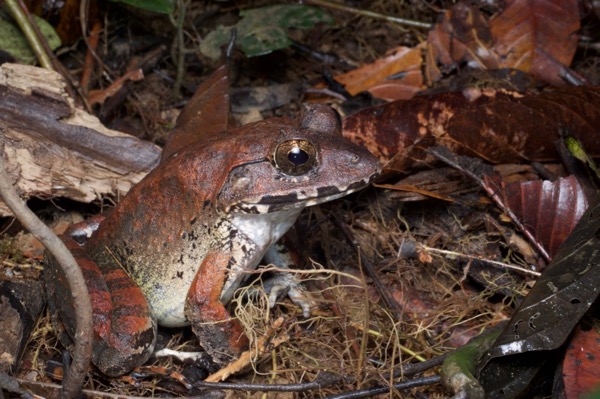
(263, 223)
(256, 234)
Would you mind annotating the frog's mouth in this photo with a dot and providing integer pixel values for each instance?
(299, 199)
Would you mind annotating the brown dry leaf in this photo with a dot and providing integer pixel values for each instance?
(534, 36)
(99, 96)
(497, 126)
(403, 61)
(462, 35)
(537, 36)
(206, 114)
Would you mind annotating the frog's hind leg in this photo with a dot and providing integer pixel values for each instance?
(124, 330)
(220, 335)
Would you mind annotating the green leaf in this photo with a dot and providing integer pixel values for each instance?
(160, 6)
(263, 30)
(576, 149)
(13, 41)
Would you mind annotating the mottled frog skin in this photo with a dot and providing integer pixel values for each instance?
(189, 229)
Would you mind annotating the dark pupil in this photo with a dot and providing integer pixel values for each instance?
(298, 156)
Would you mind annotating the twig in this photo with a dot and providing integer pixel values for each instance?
(371, 14)
(49, 391)
(323, 380)
(502, 265)
(453, 160)
(365, 393)
(11, 384)
(26, 27)
(38, 43)
(83, 311)
(179, 45)
(83, 13)
(88, 66)
(409, 369)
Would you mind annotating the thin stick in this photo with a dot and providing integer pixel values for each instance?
(83, 311)
(482, 259)
(17, 13)
(371, 14)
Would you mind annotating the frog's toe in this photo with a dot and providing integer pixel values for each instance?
(286, 283)
(303, 299)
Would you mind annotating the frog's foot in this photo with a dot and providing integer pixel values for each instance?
(218, 333)
(286, 283)
(82, 231)
(284, 255)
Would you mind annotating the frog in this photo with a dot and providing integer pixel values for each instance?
(176, 248)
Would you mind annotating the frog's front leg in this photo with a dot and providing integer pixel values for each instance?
(283, 255)
(124, 330)
(221, 335)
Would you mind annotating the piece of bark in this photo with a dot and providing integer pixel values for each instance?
(56, 150)
(21, 304)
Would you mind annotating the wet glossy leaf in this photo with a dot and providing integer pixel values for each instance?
(561, 295)
(547, 316)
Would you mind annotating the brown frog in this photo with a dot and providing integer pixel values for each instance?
(176, 247)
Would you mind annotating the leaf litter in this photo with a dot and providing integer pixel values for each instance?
(446, 299)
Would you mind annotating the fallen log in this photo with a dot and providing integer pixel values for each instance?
(53, 149)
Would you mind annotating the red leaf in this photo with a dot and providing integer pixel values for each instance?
(549, 210)
(581, 371)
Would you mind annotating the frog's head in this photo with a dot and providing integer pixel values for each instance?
(297, 165)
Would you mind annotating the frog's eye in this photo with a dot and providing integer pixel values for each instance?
(295, 157)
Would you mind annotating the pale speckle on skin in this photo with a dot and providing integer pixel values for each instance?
(471, 93)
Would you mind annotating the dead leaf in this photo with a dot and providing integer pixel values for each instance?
(536, 36)
(396, 76)
(547, 316)
(549, 210)
(580, 370)
(461, 36)
(560, 297)
(206, 114)
(497, 126)
(99, 96)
